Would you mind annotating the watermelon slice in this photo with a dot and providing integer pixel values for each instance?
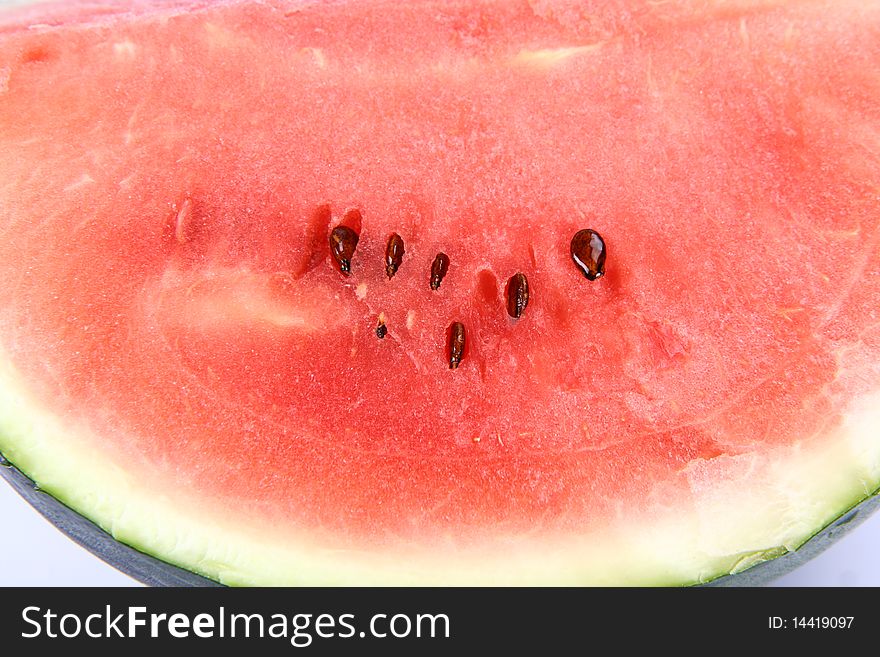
(214, 347)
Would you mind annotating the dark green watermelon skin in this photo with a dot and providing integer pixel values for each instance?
(142, 567)
(764, 573)
(154, 572)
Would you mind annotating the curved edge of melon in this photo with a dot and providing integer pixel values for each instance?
(152, 571)
(143, 567)
(775, 504)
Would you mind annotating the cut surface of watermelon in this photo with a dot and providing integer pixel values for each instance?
(182, 361)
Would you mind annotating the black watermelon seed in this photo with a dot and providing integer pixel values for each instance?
(438, 270)
(393, 254)
(381, 330)
(456, 344)
(343, 242)
(588, 253)
(517, 295)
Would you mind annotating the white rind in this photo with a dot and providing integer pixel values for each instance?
(746, 509)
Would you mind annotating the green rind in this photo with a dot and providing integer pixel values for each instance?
(136, 564)
(767, 571)
(152, 571)
(742, 514)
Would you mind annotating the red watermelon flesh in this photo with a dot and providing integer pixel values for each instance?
(183, 361)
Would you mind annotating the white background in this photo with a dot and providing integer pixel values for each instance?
(34, 553)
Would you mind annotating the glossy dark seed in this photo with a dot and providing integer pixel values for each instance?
(588, 253)
(393, 254)
(438, 270)
(343, 242)
(381, 330)
(517, 295)
(456, 344)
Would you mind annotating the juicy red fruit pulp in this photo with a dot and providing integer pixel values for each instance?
(178, 183)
